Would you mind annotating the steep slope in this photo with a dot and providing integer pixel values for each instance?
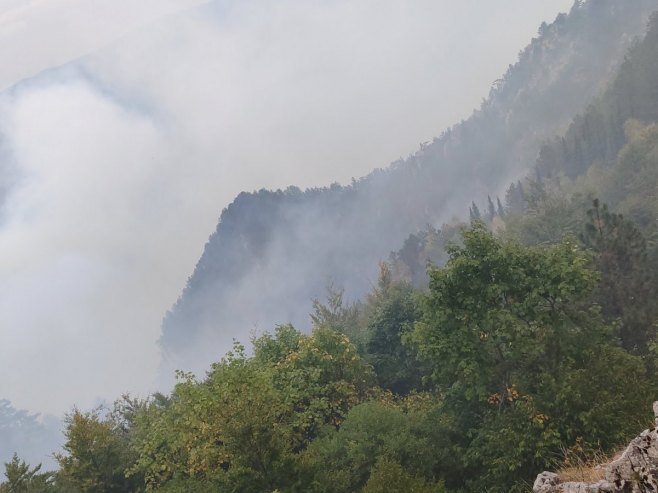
(273, 251)
(607, 152)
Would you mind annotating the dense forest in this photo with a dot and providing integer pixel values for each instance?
(517, 358)
(487, 351)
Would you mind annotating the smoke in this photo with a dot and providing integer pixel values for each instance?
(121, 161)
(79, 291)
(37, 34)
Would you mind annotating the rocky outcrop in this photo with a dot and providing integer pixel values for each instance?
(635, 471)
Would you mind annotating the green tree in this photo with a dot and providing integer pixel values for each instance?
(510, 332)
(627, 288)
(241, 428)
(390, 477)
(338, 315)
(500, 210)
(321, 376)
(21, 478)
(377, 433)
(474, 212)
(491, 209)
(498, 307)
(229, 431)
(396, 365)
(515, 199)
(97, 455)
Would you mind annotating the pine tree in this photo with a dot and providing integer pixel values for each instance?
(627, 288)
(474, 212)
(501, 209)
(491, 210)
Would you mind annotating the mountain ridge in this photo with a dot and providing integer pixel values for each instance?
(274, 251)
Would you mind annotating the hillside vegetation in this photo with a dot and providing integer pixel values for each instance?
(532, 346)
(504, 367)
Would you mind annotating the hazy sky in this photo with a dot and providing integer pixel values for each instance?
(124, 158)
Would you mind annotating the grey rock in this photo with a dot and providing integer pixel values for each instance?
(545, 482)
(638, 465)
(635, 471)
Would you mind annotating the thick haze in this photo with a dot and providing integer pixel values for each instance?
(121, 161)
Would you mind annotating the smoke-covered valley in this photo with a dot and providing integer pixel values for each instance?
(121, 148)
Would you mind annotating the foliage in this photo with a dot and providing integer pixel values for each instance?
(390, 476)
(21, 478)
(229, 428)
(516, 346)
(520, 359)
(242, 425)
(343, 460)
(396, 365)
(338, 315)
(322, 376)
(628, 283)
(96, 455)
(498, 308)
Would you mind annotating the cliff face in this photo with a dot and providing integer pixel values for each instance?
(273, 251)
(635, 471)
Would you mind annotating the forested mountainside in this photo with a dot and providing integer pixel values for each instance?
(571, 169)
(534, 347)
(516, 359)
(274, 251)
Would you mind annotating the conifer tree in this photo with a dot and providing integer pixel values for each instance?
(491, 210)
(474, 212)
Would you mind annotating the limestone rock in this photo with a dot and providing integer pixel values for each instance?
(545, 482)
(638, 465)
(635, 471)
(575, 487)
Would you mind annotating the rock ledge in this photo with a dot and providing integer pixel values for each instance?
(636, 471)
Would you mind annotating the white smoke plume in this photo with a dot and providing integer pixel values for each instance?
(143, 119)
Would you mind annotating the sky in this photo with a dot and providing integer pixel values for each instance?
(127, 125)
